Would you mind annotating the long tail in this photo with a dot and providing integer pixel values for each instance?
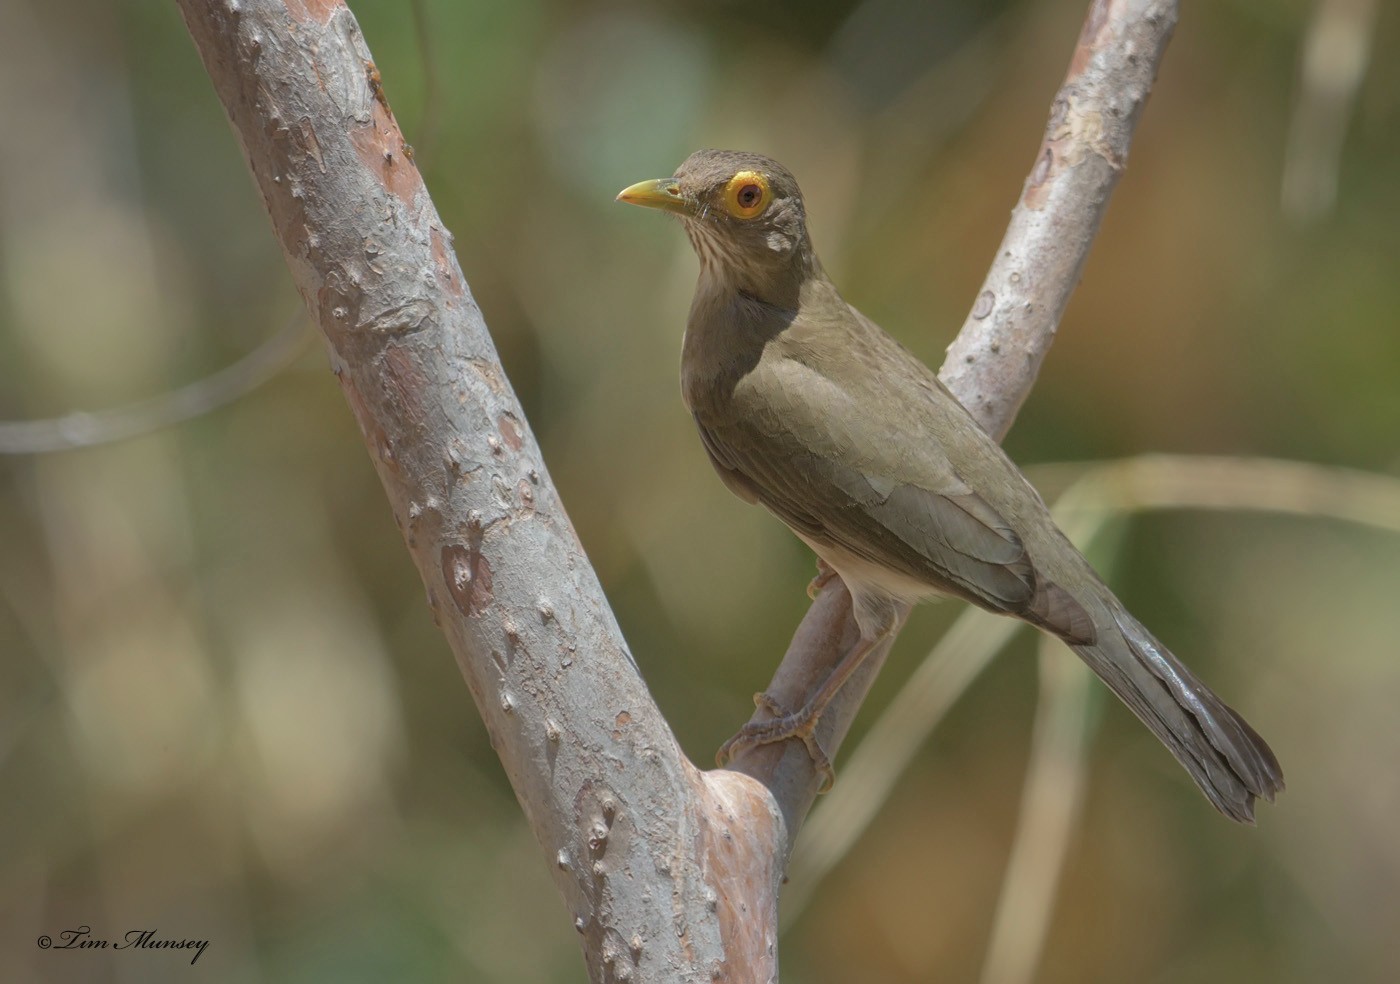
(1225, 756)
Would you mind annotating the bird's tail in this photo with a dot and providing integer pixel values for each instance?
(1225, 756)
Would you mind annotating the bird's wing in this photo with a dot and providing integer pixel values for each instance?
(881, 489)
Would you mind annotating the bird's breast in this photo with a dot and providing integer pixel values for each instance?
(718, 349)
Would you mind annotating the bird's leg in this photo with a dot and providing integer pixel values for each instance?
(825, 574)
(803, 723)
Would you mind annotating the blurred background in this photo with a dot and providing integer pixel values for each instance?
(224, 710)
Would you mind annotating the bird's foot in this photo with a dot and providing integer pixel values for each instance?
(799, 724)
(825, 575)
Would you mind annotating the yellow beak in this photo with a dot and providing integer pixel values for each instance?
(662, 193)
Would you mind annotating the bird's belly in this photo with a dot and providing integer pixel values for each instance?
(863, 576)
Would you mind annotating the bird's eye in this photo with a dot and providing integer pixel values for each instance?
(747, 194)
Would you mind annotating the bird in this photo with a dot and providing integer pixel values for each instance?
(808, 408)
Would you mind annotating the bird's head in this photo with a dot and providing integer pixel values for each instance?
(744, 215)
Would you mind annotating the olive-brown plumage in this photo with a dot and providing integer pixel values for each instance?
(809, 409)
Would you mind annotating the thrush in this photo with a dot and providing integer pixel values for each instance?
(806, 407)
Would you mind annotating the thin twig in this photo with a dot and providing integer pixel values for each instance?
(1299, 488)
(1050, 802)
(1053, 790)
(84, 429)
(1336, 52)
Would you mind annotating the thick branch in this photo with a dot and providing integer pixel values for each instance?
(655, 868)
(992, 363)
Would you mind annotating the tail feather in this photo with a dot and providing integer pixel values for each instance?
(1228, 760)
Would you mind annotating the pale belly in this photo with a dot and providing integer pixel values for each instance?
(863, 577)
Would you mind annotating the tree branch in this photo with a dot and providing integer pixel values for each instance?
(643, 850)
(669, 873)
(993, 362)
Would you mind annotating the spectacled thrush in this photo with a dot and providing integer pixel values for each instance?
(808, 408)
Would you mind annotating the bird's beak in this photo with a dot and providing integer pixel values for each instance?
(662, 193)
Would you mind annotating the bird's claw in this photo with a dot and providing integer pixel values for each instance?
(799, 724)
(825, 575)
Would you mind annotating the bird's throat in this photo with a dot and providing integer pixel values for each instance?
(769, 278)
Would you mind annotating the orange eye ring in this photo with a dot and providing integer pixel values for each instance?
(747, 194)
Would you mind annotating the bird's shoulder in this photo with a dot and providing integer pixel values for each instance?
(834, 382)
